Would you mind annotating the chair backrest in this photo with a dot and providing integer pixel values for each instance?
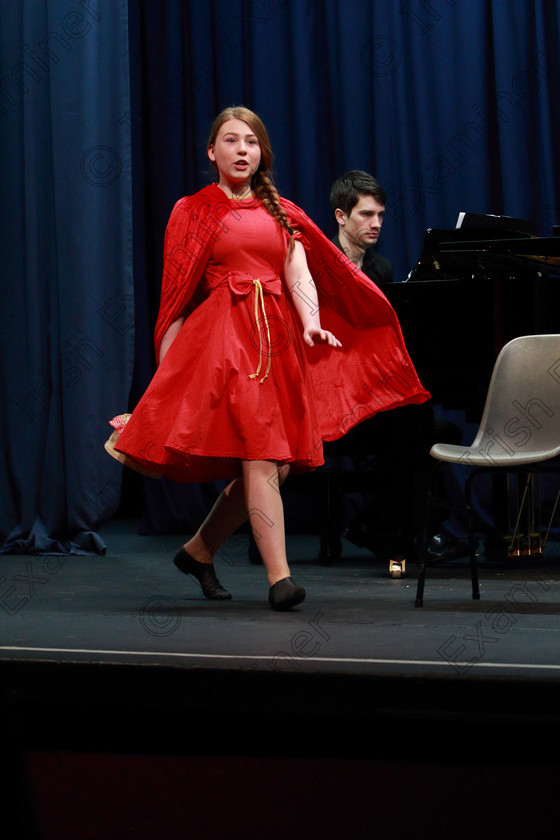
(521, 419)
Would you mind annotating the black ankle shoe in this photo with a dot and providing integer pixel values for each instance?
(204, 573)
(285, 594)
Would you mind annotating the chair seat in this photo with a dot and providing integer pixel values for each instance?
(485, 456)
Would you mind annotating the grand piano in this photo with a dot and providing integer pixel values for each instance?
(473, 289)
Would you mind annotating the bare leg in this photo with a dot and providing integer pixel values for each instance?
(228, 513)
(256, 496)
(266, 515)
(195, 557)
(231, 508)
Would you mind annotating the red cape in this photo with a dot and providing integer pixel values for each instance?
(372, 372)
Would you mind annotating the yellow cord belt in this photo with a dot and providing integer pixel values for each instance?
(259, 299)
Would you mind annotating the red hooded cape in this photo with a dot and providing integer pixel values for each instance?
(372, 371)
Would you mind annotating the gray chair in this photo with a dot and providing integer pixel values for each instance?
(519, 433)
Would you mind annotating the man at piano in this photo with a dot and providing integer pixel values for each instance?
(358, 203)
(397, 440)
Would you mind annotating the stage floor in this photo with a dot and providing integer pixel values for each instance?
(121, 655)
(132, 606)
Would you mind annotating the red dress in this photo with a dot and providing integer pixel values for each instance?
(237, 382)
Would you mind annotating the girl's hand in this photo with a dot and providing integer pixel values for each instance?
(315, 335)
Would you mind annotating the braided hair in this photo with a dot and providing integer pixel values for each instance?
(261, 181)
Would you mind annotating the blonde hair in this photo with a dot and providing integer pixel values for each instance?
(261, 182)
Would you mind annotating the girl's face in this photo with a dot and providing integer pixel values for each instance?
(236, 153)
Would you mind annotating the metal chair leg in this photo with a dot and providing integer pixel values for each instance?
(472, 537)
(419, 602)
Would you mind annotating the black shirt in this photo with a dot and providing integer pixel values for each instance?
(375, 266)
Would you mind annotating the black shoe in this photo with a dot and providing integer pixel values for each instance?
(204, 573)
(285, 594)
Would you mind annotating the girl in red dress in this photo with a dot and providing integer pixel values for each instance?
(249, 382)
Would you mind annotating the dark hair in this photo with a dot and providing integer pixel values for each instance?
(346, 191)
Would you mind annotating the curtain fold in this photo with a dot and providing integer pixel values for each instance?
(105, 107)
(67, 318)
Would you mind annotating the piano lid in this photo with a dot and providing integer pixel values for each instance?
(490, 222)
(469, 250)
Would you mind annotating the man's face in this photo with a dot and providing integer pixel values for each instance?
(363, 225)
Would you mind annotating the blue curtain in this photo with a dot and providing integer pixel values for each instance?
(450, 104)
(105, 109)
(67, 311)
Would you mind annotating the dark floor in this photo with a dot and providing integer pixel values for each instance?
(135, 708)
